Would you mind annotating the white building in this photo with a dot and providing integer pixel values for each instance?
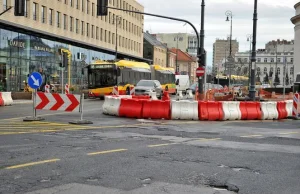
(266, 64)
(296, 20)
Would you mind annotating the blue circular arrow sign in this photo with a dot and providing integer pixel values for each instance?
(35, 80)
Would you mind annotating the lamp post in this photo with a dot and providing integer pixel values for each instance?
(253, 57)
(249, 39)
(117, 21)
(230, 59)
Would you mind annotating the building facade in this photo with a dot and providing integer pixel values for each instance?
(31, 42)
(174, 40)
(266, 66)
(296, 21)
(221, 50)
(155, 51)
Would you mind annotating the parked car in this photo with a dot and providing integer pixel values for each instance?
(145, 87)
(182, 82)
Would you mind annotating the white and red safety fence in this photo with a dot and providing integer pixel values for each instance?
(67, 89)
(196, 110)
(47, 88)
(295, 105)
(5, 99)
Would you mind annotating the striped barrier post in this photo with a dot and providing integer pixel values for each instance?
(47, 88)
(67, 89)
(115, 90)
(295, 105)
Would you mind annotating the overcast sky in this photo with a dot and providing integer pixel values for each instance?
(273, 19)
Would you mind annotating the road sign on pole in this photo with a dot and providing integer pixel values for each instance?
(200, 71)
(35, 80)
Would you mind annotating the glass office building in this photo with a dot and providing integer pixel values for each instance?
(24, 53)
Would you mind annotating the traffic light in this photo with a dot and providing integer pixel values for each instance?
(65, 60)
(102, 7)
(20, 7)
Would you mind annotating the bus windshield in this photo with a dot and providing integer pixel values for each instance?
(102, 76)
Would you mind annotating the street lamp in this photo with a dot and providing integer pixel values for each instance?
(249, 39)
(230, 59)
(117, 20)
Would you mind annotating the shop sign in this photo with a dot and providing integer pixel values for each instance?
(16, 44)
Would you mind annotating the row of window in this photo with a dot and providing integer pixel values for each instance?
(266, 60)
(258, 70)
(87, 7)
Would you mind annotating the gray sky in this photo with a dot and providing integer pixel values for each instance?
(273, 19)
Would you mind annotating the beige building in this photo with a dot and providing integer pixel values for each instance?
(221, 50)
(155, 50)
(31, 42)
(296, 21)
(174, 40)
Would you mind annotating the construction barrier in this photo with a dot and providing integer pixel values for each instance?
(1, 100)
(281, 109)
(250, 110)
(111, 105)
(67, 89)
(7, 99)
(141, 97)
(211, 111)
(153, 96)
(131, 108)
(269, 110)
(179, 95)
(166, 96)
(231, 110)
(115, 90)
(184, 110)
(156, 109)
(295, 105)
(47, 88)
(289, 107)
(189, 94)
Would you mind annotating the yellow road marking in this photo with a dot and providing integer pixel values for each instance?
(106, 152)
(13, 127)
(159, 145)
(213, 139)
(287, 133)
(252, 136)
(32, 164)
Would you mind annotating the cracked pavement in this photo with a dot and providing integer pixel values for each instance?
(122, 156)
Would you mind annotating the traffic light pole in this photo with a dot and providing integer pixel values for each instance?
(200, 42)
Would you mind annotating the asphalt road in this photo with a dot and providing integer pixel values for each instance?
(119, 155)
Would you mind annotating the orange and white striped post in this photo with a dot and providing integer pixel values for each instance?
(295, 105)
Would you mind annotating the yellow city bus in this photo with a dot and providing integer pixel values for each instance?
(166, 77)
(104, 75)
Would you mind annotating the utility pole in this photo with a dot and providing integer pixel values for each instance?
(116, 20)
(253, 58)
(230, 61)
(200, 53)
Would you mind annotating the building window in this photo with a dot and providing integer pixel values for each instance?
(77, 26)
(272, 69)
(278, 60)
(50, 16)
(265, 60)
(292, 60)
(278, 70)
(82, 5)
(71, 3)
(77, 4)
(272, 60)
(113, 38)
(66, 2)
(71, 24)
(97, 33)
(5, 5)
(105, 35)
(26, 9)
(34, 10)
(109, 37)
(93, 31)
(87, 29)
(245, 60)
(258, 60)
(265, 70)
(93, 9)
(109, 19)
(292, 71)
(101, 34)
(87, 6)
(82, 27)
(57, 19)
(43, 14)
(65, 21)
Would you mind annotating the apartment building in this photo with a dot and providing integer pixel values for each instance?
(30, 43)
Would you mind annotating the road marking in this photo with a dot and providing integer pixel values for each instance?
(287, 133)
(159, 145)
(205, 139)
(106, 152)
(32, 164)
(252, 136)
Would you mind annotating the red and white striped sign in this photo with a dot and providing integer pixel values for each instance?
(295, 105)
(47, 88)
(62, 102)
(67, 89)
